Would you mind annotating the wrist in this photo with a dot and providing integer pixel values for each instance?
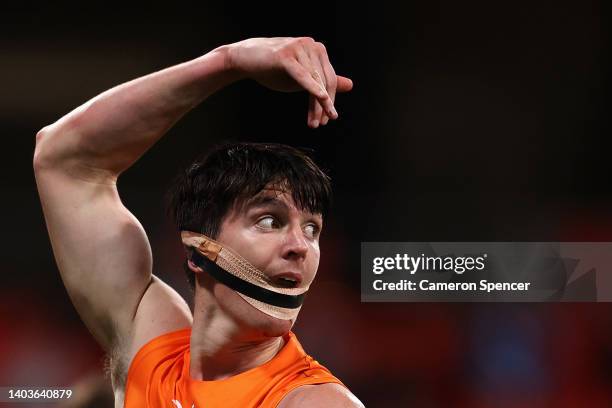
(229, 64)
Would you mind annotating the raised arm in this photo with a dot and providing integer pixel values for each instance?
(101, 249)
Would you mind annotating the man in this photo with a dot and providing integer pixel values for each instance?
(250, 217)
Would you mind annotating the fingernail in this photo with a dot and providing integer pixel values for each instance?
(315, 123)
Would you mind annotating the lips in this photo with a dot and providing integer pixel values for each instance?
(287, 279)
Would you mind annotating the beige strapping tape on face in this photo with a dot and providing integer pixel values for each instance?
(243, 269)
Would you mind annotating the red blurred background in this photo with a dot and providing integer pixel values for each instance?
(468, 122)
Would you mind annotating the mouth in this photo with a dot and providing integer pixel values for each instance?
(287, 279)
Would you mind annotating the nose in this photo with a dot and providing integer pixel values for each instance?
(295, 246)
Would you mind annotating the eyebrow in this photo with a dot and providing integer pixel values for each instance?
(267, 201)
(261, 201)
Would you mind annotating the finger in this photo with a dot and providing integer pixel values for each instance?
(344, 84)
(319, 71)
(305, 79)
(306, 63)
(313, 66)
(322, 70)
(324, 118)
(318, 109)
(313, 116)
(320, 115)
(312, 102)
(330, 79)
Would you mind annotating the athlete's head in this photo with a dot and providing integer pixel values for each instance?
(264, 201)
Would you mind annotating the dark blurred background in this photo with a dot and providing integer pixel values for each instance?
(469, 121)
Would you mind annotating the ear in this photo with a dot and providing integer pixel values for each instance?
(194, 268)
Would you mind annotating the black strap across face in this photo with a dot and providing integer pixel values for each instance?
(244, 287)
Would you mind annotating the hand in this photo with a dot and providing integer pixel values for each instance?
(289, 65)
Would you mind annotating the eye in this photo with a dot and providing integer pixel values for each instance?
(311, 230)
(267, 222)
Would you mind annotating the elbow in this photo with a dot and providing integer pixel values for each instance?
(41, 158)
(59, 149)
(53, 146)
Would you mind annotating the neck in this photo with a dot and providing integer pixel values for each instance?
(221, 349)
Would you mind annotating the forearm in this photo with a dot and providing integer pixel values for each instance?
(111, 131)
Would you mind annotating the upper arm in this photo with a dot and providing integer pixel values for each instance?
(321, 395)
(103, 255)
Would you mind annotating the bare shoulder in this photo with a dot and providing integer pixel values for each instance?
(161, 310)
(321, 395)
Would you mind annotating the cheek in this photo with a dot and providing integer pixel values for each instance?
(255, 248)
(313, 262)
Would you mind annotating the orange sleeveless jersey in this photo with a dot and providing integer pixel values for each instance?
(159, 377)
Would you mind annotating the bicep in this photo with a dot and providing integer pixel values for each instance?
(101, 250)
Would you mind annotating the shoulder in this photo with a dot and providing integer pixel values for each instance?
(327, 395)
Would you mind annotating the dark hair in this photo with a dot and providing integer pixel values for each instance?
(232, 173)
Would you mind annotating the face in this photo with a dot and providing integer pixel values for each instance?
(277, 238)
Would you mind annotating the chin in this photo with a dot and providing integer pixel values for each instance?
(268, 326)
(273, 327)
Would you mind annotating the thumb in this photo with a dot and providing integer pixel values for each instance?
(344, 84)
